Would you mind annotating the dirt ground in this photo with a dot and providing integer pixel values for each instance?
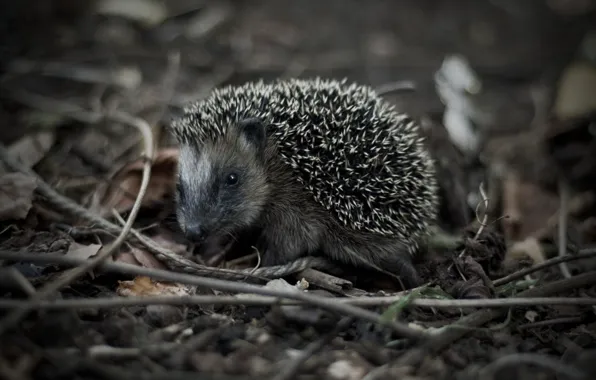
(87, 91)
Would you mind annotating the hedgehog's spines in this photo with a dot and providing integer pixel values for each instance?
(360, 158)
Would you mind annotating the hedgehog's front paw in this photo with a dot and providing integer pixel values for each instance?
(404, 269)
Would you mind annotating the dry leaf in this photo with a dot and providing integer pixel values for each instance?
(126, 258)
(527, 248)
(166, 243)
(83, 251)
(535, 206)
(531, 316)
(126, 182)
(16, 195)
(139, 257)
(144, 286)
(32, 148)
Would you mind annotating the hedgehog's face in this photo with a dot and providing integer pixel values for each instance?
(222, 185)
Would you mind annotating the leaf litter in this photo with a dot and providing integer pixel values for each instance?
(82, 251)
(120, 192)
(16, 195)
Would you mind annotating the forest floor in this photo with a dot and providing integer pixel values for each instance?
(96, 280)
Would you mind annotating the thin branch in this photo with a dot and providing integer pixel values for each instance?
(229, 286)
(550, 322)
(449, 335)
(20, 280)
(395, 87)
(105, 351)
(563, 215)
(254, 300)
(482, 222)
(491, 370)
(47, 290)
(584, 254)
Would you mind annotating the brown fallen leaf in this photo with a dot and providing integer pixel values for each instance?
(83, 251)
(145, 286)
(139, 257)
(126, 258)
(533, 207)
(528, 248)
(124, 186)
(16, 195)
(167, 243)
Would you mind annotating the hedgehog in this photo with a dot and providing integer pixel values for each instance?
(310, 167)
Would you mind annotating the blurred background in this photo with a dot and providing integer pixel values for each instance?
(503, 88)
(511, 45)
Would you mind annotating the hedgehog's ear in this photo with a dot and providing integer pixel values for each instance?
(253, 132)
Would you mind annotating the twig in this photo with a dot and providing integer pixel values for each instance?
(484, 218)
(584, 254)
(563, 212)
(254, 300)
(325, 281)
(579, 281)
(510, 189)
(106, 351)
(145, 130)
(21, 281)
(63, 203)
(550, 322)
(490, 371)
(480, 229)
(289, 371)
(230, 286)
(481, 317)
(400, 86)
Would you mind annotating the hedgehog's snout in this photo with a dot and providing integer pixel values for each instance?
(196, 232)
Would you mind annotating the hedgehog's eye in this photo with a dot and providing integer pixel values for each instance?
(232, 179)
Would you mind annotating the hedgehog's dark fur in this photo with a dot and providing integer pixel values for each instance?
(328, 165)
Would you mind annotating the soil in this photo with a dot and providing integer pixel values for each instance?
(150, 60)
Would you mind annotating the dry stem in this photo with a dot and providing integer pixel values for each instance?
(48, 289)
(230, 286)
(584, 254)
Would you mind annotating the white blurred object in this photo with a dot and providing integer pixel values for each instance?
(457, 84)
(457, 72)
(148, 12)
(461, 130)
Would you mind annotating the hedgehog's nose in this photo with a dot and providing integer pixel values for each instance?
(196, 233)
